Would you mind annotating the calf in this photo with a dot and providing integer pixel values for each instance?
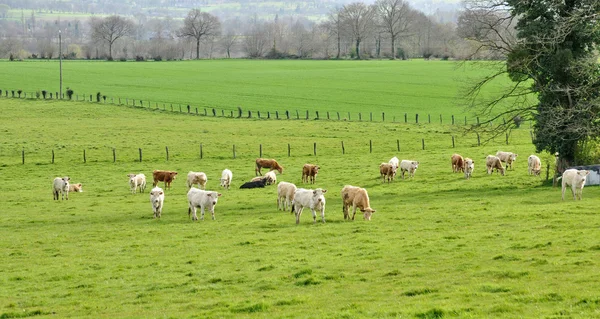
(458, 163)
(534, 165)
(137, 181)
(309, 172)
(196, 178)
(313, 199)
(271, 177)
(204, 200)
(78, 188)
(507, 157)
(60, 185)
(575, 179)
(268, 163)
(408, 166)
(387, 171)
(469, 167)
(357, 198)
(163, 176)
(492, 162)
(285, 195)
(157, 199)
(226, 177)
(255, 184)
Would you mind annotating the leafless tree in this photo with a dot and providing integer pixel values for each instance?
(334, 27)
(198, 25)
(255, 39)
(396, 19)
(228, 42)
(110, 29)
(357, 19)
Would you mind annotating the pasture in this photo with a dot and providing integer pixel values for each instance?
(438, 246)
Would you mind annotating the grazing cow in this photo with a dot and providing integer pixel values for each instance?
(309, 171)
(492, 162)
(271, 177)
(204, 200)
(469, 167)
(408, 166)
(507, 157)
(285, 195)
(60, 185)
(576, 179)
(196, 178)
(357, 198)
(255, 184)
(388, 171)
(534, 165)
(137, 181)
(267, 163)
(226, 177)
(313, 199)
(395, 162)
(157, 199)
(458, 163)
(163, 176)
(77, 188)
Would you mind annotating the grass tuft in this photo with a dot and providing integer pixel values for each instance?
(434, 313)
(258, 307)
(416, 292)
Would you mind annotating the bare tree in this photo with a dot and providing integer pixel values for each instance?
(396, 19)
(198, 25)
(228, 42)
(110, 29)
(357, 18)
(334, 27)
(255, 39)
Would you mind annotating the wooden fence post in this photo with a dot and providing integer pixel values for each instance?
(249, 114)
(140, 154)
(297, 115)
(260, 150)
(348, 116)
(371, 116)
(506, 138)
(405, 118)
(453, 119)
(328, 115)
(478, 120)
(547, 171)
(417, 118)
(383, 116)
(223, 113)
(453, 141)
(317, 112)
(315, 148)
(441, 119)
(478, 140)
(23, 155)
(52, 156)
(370, 146)
(398, 145)
(429, 117)
(338, 114)
(423, 143)
(84, 160)
(343, 149)
(307, 114)
(289, 150)
(201, 152)
(465, 120)
(258, 114)
(277, 115)
(287, 114)
(359, 116)
(167, 150)
(214, 112)
(114, 155)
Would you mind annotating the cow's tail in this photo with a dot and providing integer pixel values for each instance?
(293, 207)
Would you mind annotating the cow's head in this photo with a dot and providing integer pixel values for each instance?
(78, 187)
(367, 212)
(213, 197)
(582, 174)
(315, 169)
(173, 174)
(130, 176)
(513, 157)
(318, 195)
(279, 168)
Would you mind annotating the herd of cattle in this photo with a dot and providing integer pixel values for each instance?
(296, 199)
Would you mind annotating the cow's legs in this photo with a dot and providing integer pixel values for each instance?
(323, 214)
(314, 213)
(353, 211)
(201, 212)
(298, 213)
(212, 212)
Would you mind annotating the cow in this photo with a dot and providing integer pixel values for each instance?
(313, 199)
(60, 185)
(458, 163)
(255, 184)
(77, 188)
(534, 165)
(157, 199)
(309, 172)
(204, 200)
(267, 163)
(271, 177)
(226, 177)
(395, 162)
(357, 198)
(259, 178)
(576, 179)
(163, 176)
(285, 195)
(196, 178)
(137, 181)
(492, 162)
(408, 166)
(387, 171)
(507, 157)
(469, 167)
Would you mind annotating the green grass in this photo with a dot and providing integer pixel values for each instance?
(437, 247)
(393, 87)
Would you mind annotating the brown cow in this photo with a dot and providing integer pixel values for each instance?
(357, 198)
(458, 163)
(267, 163)
(163, 176)
(309, 171)
(388, 171)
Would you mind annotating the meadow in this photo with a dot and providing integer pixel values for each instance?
(439, 246)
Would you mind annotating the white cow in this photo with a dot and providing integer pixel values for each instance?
(469, 167)
(408, 166)
(285, 195)
(507, 157)
(534, 165)
(313, 199)
(271, 177)
(575, 179)
(204, 200)
(157, 199)
(395, 162)
(226, 177)
(137, 181)
(196, 178)
(60, 186)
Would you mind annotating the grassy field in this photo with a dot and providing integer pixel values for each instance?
(393, 87)
(438, 246)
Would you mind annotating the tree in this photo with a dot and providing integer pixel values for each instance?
(357, 18)
(228, 42)
(555, 57)
(198, 25)
(333, 25)
(111, 29)
(395, 17)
